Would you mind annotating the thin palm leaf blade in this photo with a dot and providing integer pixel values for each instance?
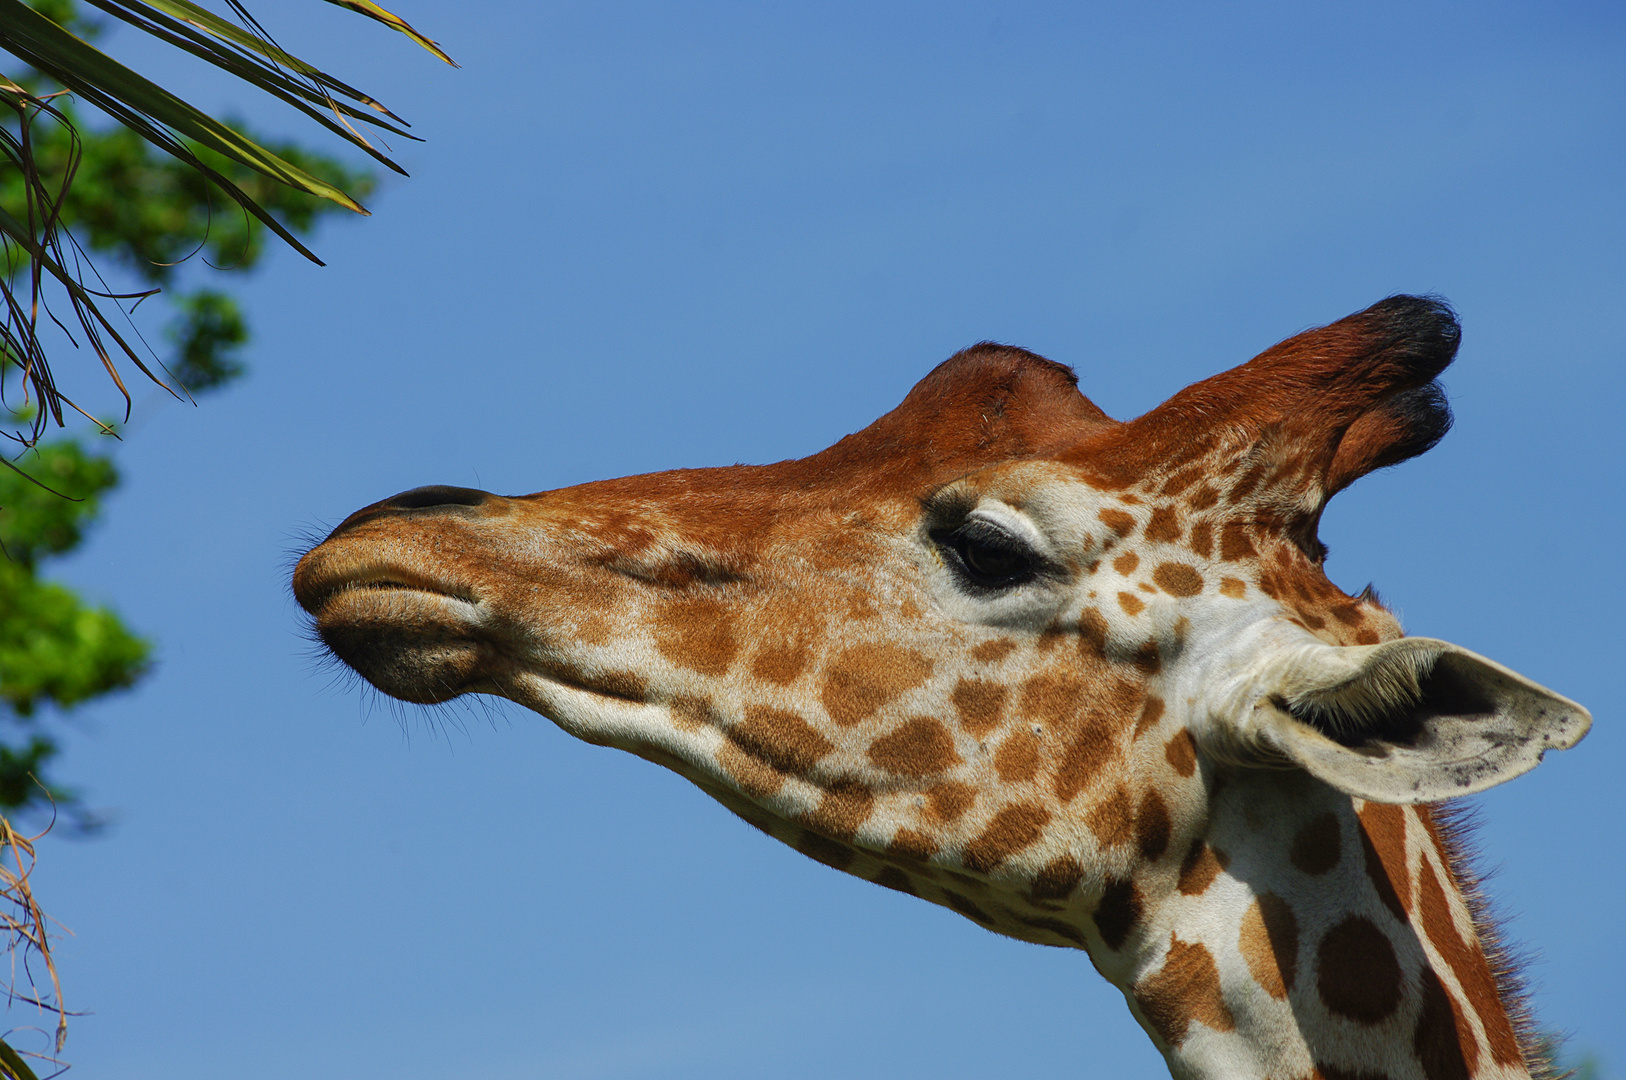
(373, 11)
(98, 77)
(12, 1065)
(207, 22)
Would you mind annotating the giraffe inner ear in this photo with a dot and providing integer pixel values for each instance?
(1412, 720)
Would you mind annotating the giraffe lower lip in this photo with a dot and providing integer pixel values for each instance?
(411, 643)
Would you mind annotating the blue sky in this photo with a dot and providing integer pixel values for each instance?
(645, 236)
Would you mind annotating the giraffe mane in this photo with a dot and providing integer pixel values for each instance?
(1455, 824)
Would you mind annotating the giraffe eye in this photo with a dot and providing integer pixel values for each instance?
(988, 557)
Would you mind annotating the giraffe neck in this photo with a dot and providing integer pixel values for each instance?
(1306, 935)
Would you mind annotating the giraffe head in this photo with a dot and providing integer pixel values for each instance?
(996, 649)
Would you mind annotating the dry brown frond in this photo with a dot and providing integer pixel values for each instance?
(23, 924)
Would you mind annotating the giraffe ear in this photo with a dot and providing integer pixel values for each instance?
(1411, 720)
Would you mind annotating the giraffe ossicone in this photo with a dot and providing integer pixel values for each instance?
(1082, 681)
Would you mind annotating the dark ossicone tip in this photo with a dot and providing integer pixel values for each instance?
(1423, 332)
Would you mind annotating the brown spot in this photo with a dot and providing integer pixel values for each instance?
(781, 740)
(1050, 637)
(1383, 842)
(1181, 752)
(1184, 989)
(990, 652)
(860, 608)
(836, 855)
(1092, 634)
(1467, 961)
(1017, 758)
(1234, 543)
(1126, 563)
(1152, 826)
(1112, 819)
(1146, 586)
(1129, 499)
(1316, 847)
(1057, 880)
(891, 877)
(845, 806)
(622, 684)
(1050, 699)
(1118, 521)
(948, 801)
(1269, 942)
(1367, 636)
(1348, 614)
(912, 845)
(1117, 913)
(865, 678)
(1356, 971)
(1012, 829)
(781, 665)
(1164, 525)
(1249, 480)
(1096, 738)
(981, 705)
(1131, 603)
(918, 747)
(1233, 587)
(1182, 480)
(1323, 1071)
(698, 635)
(692, 713)
(755, 777)
(1178, 579)
(1199, 868)
(1148, 660)
(1203, 498)
(967, 907)
(1066, 931)
(1444, 1045)
(1202, 539)
(1150, 713)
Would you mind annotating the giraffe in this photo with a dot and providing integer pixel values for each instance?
(1083, 682)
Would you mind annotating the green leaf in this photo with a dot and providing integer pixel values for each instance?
(49, 517)
(309, 90)
(373, 11)
(12, 1066)
(210, 23)
(56, 649)
(209, 333)
(140, 103)
(24, 238)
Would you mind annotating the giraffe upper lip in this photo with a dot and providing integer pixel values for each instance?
(318, 580)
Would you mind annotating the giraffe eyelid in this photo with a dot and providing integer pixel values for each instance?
(983, 538)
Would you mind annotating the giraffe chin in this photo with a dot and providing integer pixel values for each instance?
(412, 644)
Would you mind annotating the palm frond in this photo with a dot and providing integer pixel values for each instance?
(31, 232)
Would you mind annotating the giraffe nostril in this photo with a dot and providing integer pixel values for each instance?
(457, 501)
(422, 498)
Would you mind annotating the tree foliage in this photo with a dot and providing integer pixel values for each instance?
(56, 650)
(171, 166)
(148, 213)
